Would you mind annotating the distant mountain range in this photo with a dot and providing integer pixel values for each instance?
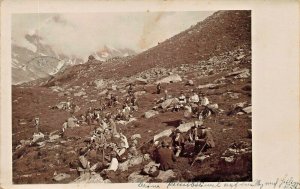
(41, 60)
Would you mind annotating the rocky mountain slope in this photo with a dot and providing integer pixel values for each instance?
(213, 57)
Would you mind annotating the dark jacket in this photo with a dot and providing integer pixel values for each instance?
(166, 158)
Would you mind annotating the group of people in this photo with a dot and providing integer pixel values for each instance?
(199, 136)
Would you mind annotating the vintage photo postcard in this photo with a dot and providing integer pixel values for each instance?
(161, 94)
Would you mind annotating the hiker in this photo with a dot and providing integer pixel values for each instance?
(130, 89)
(83, 119)
(126, 112)
(158, 88)
(166, 94)
(133, 150)
(178, 142)
(114, 164)
(134, 100)
(203, 100)
(123, 145)
(113, 126)
(194, 98)
(206, 112)
(202, 138)
(65, 126)
(165, 157)
(37, 124)
(72, 122)
(182, 99)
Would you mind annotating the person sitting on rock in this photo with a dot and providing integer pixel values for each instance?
(203, 100)
(178, 142)
(202, 137)
(176, 108)
(194, 98)
(113, 127)
(206, 112)
(158, 88)
(37, 124)
(121, 149)
(65, 126)
(165, 157)
(114, 163)
(182, 99)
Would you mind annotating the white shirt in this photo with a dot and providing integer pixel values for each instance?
(204, 101)
(194, 98)
(113, 164)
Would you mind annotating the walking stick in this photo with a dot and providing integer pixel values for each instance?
(198, 154)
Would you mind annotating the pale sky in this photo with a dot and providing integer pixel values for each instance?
(81, 34)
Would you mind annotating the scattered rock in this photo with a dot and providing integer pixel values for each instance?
(244, 73)
(135, 136)
(38, 137)
(234, 95)
(165, 133)
(190, 83)
(150, 113)
(166, 176)
(248, 109)
(136, 177)
(100, 83)
(61, 176)
(141, 81)
(114, 87)
(103, 92)
(53, 138)
(61, 105)
(139, 93)
(90, 178)
(76, 109)
(135, 161)
(170, 79)
(210, 86)
(80, 93)
(56, 89)
(187, 126)
(169, 102)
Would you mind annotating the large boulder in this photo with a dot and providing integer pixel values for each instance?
(166, 176)
(248, 109)
(141, 81)
(61, 176)
(150, 113)
(38, 137)
(187, 126)
(61, 105)
(244, 73)
(136, 177)
(80, 93)
(170, 79)
(210, 86)
(167, 103)
(165, 133)
(90, 178)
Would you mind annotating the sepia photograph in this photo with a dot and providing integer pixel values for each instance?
(131, 97)
(149, 94)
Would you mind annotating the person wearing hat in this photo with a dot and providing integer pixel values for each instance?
(165, 157)
(178, 142)
(203, 138)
